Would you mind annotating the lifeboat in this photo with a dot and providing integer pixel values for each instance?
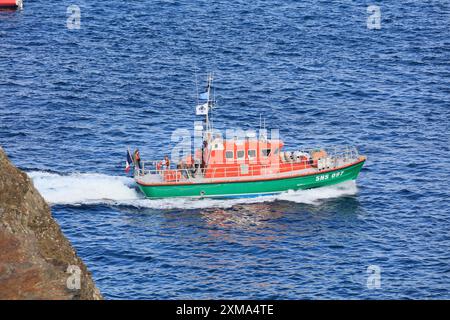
(245, 166)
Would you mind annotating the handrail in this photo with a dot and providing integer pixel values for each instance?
(334, 158)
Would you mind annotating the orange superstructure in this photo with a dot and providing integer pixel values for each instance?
(246, 158)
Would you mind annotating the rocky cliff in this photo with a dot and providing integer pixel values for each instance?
(36, 259)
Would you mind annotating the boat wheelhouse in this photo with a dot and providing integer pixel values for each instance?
(245, 166)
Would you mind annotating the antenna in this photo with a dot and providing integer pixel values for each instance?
(209, 106)
(210, 100)
(212, 105)
(260, 123)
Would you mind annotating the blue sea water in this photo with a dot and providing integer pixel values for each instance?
(71, 101)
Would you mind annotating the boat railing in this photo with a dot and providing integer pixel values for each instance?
(348, 151)
(183, 175)
(169, 174)
(334, 158)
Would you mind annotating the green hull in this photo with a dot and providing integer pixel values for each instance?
(253, 188)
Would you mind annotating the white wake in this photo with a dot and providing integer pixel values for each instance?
(82, 188)
(93, 188)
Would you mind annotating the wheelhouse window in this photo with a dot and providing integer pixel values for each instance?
(251, 153)
(240, 154)
(229, 155)
(265, 152)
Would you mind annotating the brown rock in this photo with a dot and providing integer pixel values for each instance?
(34, 253)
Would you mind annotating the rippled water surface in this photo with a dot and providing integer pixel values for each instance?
(71, 101)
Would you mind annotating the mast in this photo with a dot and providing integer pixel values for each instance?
(210, 102)
(205, 105)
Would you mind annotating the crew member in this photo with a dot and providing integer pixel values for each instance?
(159, 165)
(137, 159)
(167, 162)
